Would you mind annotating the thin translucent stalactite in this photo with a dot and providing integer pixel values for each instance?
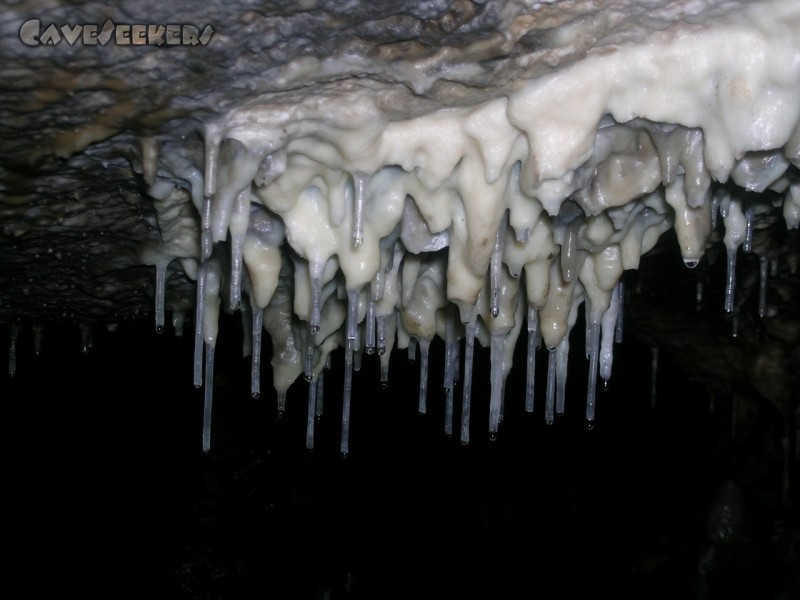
(12, 350)
(594, 352)
(469, 354)
(311, 416)
(730, 283)
(237, 243)
(308, 367)
(763, 268)
(653, 376)
(496, 382)
(412, 349)
(384, 358)
(496, 265)
(448, 412)
(320, 383)
(86, 339)
(449, 349)
(449, 367)
(533, 343)
(608, 326)
(358, 355)
(316, 303)
(199, 342)
(313, 325)
(358, 210)
(550, 398)
(456, 363)
(38, 330)
(255, 359)
(348, 388)
(352, 335)
(561, 374)
(369, 328)
(281, 404)
(208, 397)
(424, 348)
(380, 334)
(747, 246)
(206, 243)
(161, 284)
(698, 292)
(618, 331)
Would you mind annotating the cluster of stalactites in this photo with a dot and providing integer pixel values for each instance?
(373, 262)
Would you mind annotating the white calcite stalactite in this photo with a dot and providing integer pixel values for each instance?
(365, 202)
(735, 233)
(213, 283)
(610, 332)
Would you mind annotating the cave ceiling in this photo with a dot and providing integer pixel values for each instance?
(89, 127)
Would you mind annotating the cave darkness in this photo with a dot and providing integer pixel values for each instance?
(112, 496)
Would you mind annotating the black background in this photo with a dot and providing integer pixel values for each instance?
(111, 496)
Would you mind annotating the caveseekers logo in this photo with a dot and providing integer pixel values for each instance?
(33, 34)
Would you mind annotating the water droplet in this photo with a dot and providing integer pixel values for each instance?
(605, 384)
(492, 436)
(318, 419)
(465, 442)
(198, 385)
(309, 377)
(589, 425)
(381, 350)
(255, 395)
(549, 421)
(344, 454)
(495, 312)
(314, 329)
(559, 414)
(281, 414)
(370, 350)
(160, 329)
(690, 262)
(384, 385)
